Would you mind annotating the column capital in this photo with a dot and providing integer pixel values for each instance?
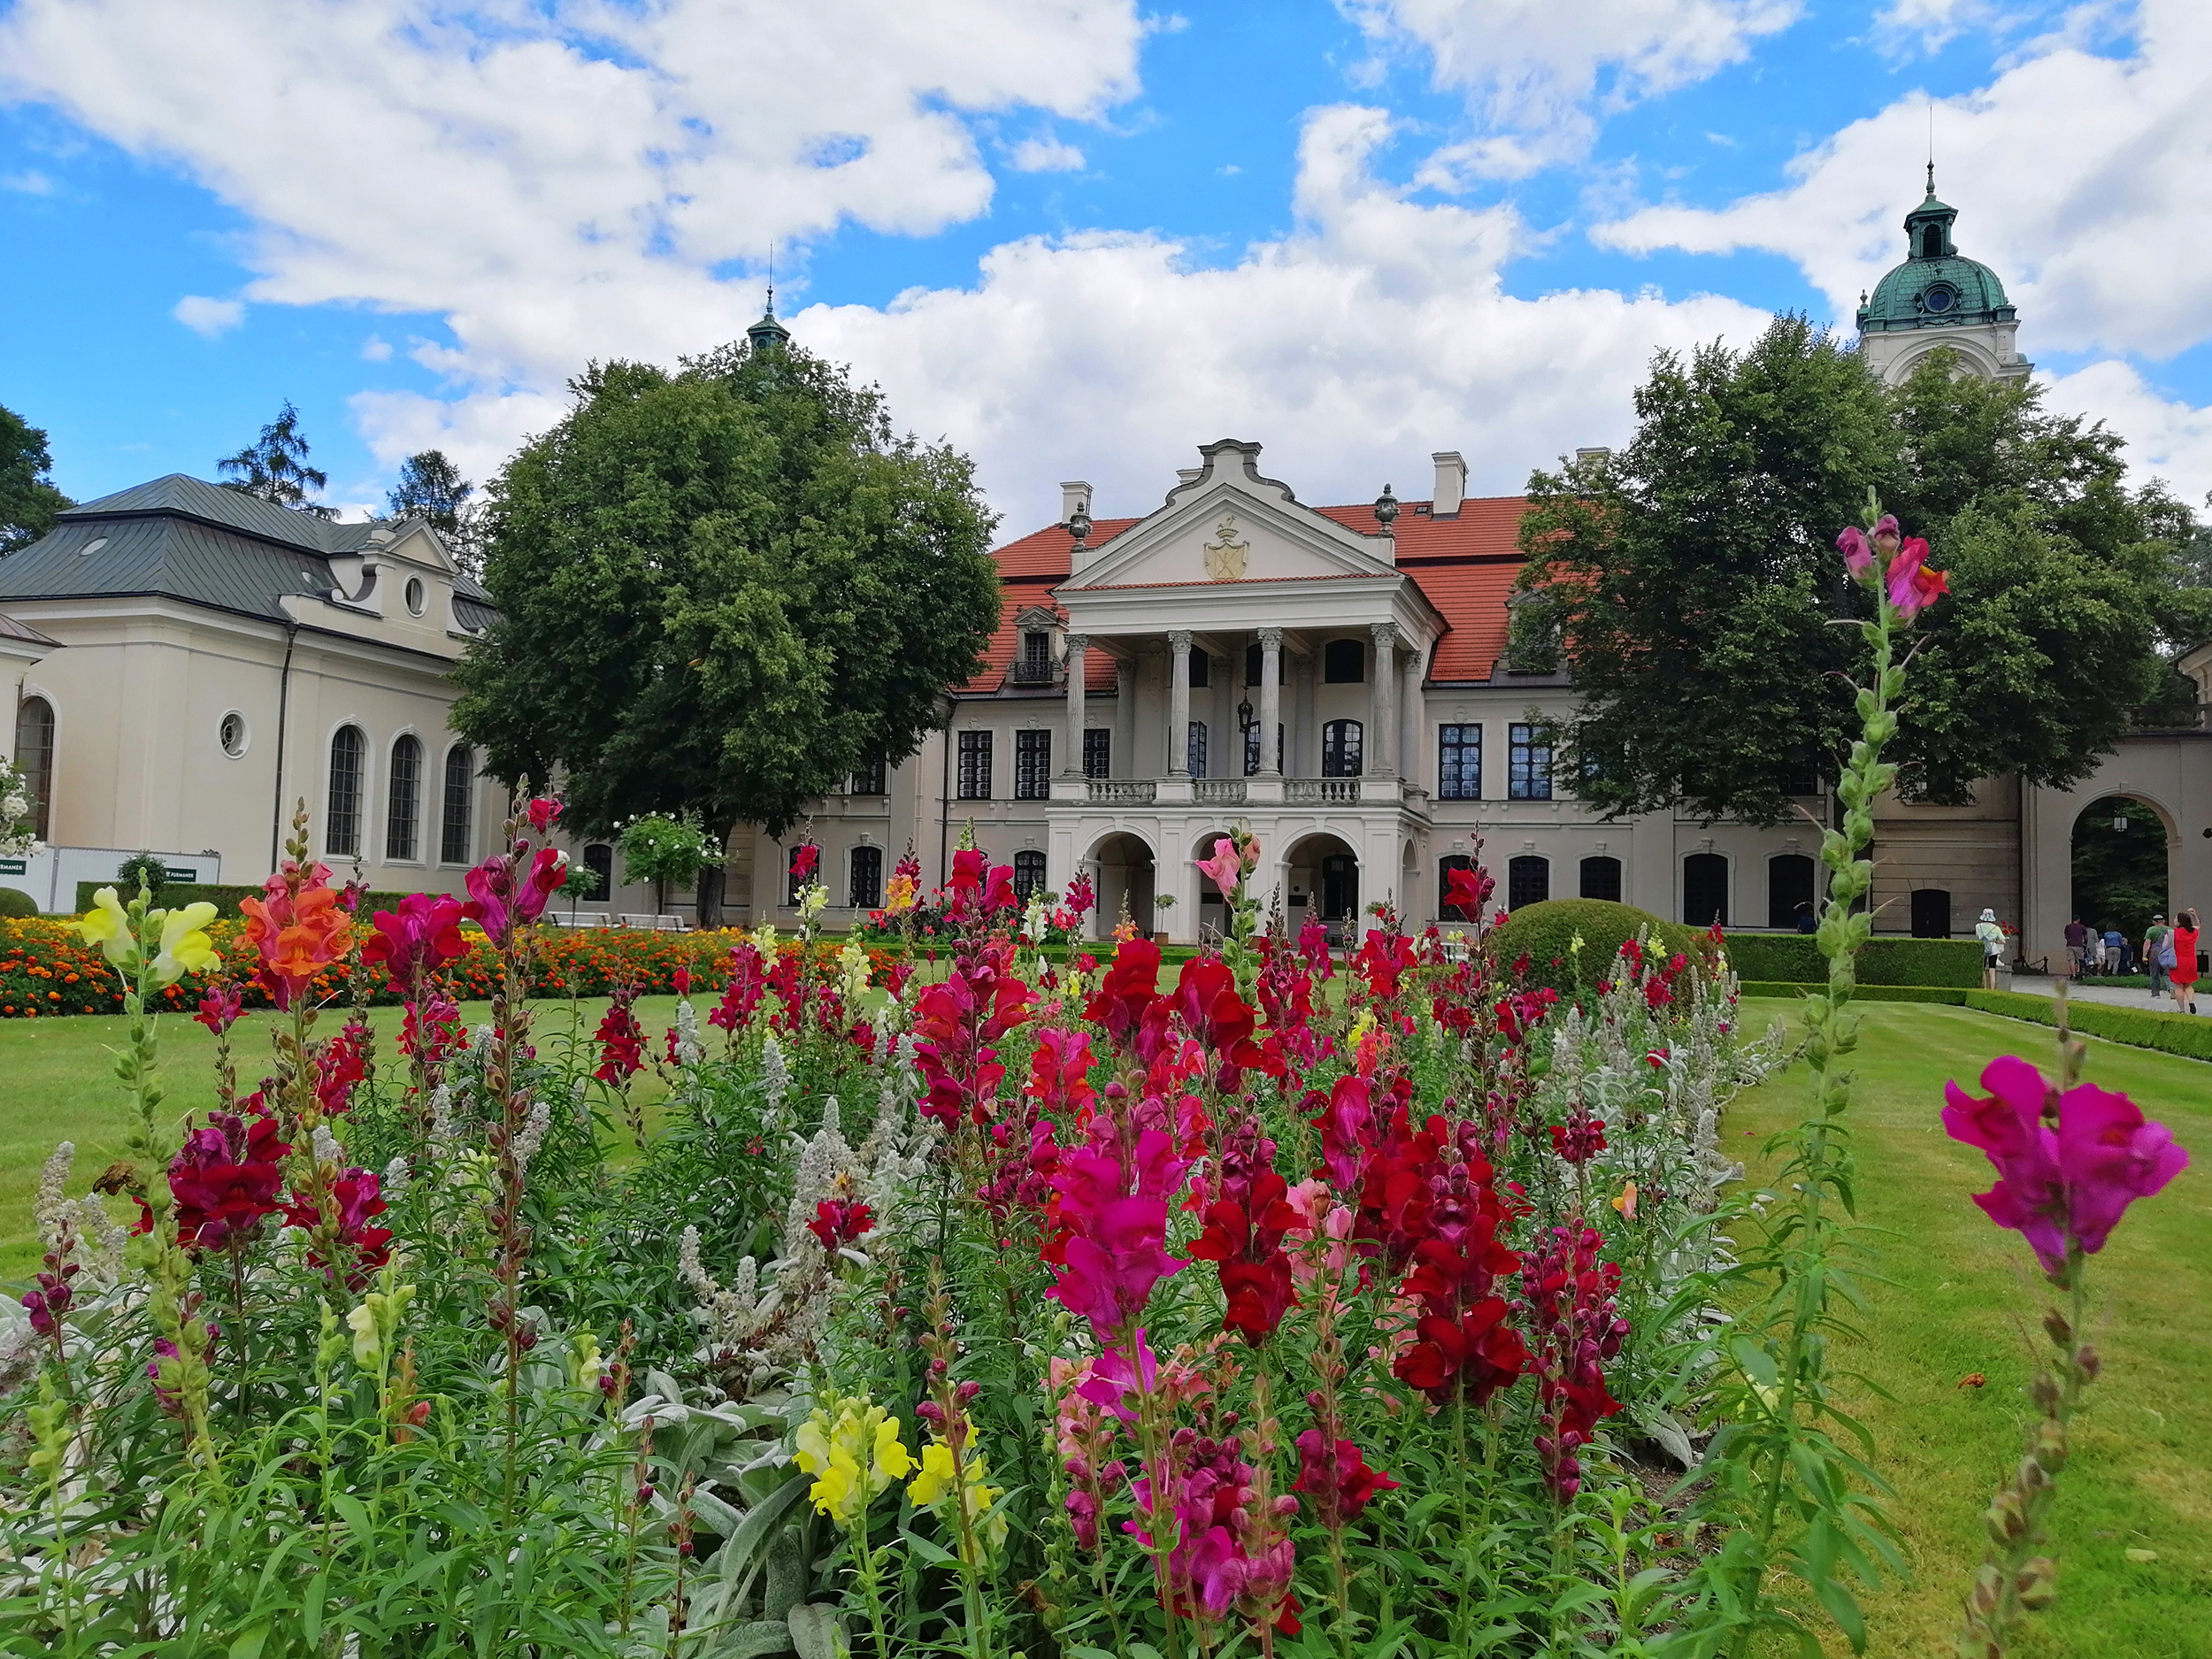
(1078, 641)
(1385, 635)
(1179, 639)
(1271, 639)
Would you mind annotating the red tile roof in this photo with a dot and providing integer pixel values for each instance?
(1466, 565)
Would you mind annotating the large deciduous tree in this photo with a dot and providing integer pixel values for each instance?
(29, 500)
(722, 590)
(1692, 581)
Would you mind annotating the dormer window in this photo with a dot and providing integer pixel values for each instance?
(1037, 652)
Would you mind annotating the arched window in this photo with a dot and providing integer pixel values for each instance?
(866, 890)
(1789, 889)
(402, 798)
(1343, 662)
(1340, 748)
(1602, 877)
(1029, 875)
(1931, 242)
(35, 757)
(453, 822)
(1528, 880)
(1705, 890)
(1195, 755)
(598, 859)
(342, 804)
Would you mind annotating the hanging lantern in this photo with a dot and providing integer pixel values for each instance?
(2120, 824)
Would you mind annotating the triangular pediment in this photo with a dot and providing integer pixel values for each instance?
(1224, 535)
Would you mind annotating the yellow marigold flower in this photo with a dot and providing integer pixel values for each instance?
(185, 946)
(107, 925)
(853, 1457)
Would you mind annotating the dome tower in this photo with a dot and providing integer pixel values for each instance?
(1938, 297)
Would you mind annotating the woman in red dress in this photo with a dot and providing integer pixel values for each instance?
(2183, 972)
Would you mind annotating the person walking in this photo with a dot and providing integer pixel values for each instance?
(2115, 948)
(2183, 972)
(1992, 938)
(2077, 948)
(2158, 954)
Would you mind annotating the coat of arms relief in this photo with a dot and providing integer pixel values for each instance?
(1225, 557)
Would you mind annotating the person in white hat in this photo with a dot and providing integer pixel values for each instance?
(1992, 938)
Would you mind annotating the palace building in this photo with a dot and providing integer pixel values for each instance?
(187, 660)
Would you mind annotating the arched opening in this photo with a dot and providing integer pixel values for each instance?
(453, 824)
(1123, 875)
(1528, 881)
(1029, 873)
(864, 887)
(1602, 877)
(1324, 874)
(2121, 865)
(599, 862)
(1705, 890)
(402, 800)
(34, 758)
(1789, 889)
(1931, 913)
(1445, 911)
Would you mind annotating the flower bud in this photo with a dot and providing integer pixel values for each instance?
(2050, 1448)
(2061, 1334)
(2031, 1480)
(2036, 1583)
(2006, 1518)
(966, 1392)
(2044, 1391)
(2086, 1362)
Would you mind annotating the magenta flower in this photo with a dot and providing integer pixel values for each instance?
(1337, 1477)
(1224, 867)
(545, 812)
(219, 1006)
(2065, 1186)
(1115, 1209)
(503, 898)
(421, 937)
(1858, 552)
(1913, 587)
(806, 859)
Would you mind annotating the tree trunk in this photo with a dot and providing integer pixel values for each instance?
(710, 892)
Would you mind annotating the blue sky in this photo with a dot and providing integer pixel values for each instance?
(1073, 245)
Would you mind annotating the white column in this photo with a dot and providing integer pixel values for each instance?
(1306, 741)
(1073, 766)
(1270, 698)
(1412, 728)
(1382, 724)
(1179, 704)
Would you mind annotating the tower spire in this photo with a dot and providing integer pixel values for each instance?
(768, 334)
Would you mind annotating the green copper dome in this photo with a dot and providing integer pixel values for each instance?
(1937, 286)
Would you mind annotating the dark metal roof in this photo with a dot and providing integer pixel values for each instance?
(10, 629)
(188, 540)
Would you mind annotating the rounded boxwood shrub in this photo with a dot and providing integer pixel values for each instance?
(17, 903)
(1544, 932)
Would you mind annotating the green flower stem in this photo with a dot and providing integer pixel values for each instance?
(1152, 1441)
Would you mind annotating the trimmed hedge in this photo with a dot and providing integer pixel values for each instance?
(16, 903)
(1795, 959)
(1544, 932)
(1950, 993)
(2189, 1035)
(175, 895)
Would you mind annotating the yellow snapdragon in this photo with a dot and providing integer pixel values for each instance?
(185, 946)
(108, 926)
(852, 971)
(937, 1480)
(854, 1457)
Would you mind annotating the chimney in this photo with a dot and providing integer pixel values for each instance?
(1451, 484)
(1593, 457)
(1072, 496)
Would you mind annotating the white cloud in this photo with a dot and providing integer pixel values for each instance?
(2167, 438)
(563, 179)
(376, 348)
(2085, 182)
(1539, 73)
(1378, 332)
(28, 182)
(1931, 24)
(205, 316)
(1046, 154)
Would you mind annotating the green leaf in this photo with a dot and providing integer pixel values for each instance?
(249, 1646)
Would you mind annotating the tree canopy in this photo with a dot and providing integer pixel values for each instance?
(29, 500)
(1690, 581)
(274, 466)
(722, 589)
(431, 487)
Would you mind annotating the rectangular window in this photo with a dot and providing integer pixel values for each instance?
(453, 830)
(1195, 754)
(867, 878)
(1459, 762)
(1098, 752)
(1037, 653)
(975, 765)
(870, 779)
(1201, 671)
(1252, 749)
(1032, 765)
(1528, 763)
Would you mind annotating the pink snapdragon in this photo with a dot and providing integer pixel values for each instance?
(418, 939)
(1336, 1476)
(2064, 1185)
(1113, 1199)
(1225, 868)
(1568, 1299)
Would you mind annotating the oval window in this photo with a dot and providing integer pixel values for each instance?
(414, 595)
(1940, 299)
(231, 733)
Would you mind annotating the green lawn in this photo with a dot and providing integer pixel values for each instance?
(1962, 1293)
(57, 1083)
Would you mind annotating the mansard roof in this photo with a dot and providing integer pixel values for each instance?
(183, 538)
(1464, 564)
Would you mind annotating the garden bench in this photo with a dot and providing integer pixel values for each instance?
(658, 923)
